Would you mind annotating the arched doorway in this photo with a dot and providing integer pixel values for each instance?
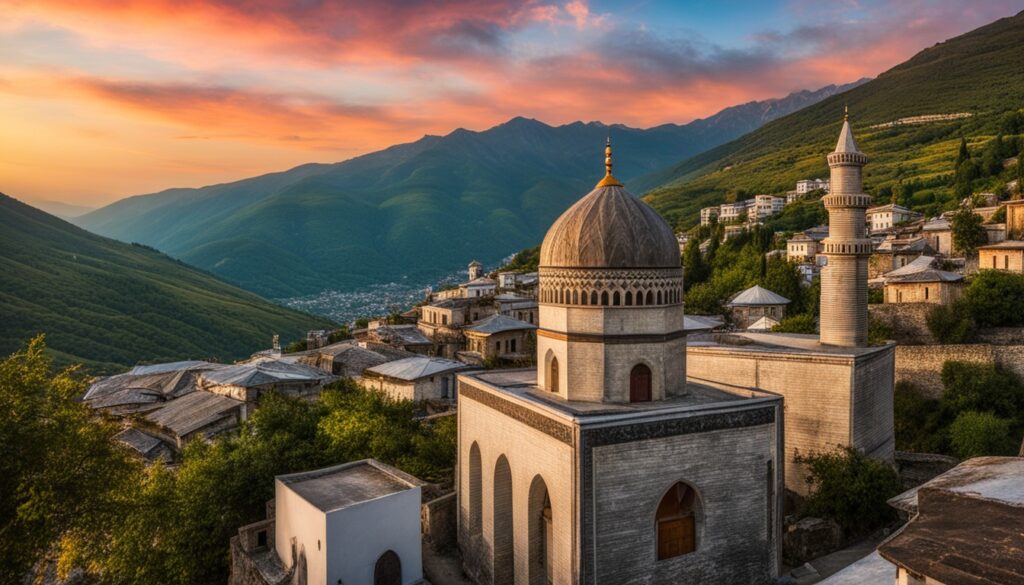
(388, 570)
(552, 373)
(640, 384)
(504, 556)
(676, 522)
(539, 534)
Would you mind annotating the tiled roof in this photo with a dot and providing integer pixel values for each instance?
(757, 295)
(499, 323)
(192, 412)
(414, 368)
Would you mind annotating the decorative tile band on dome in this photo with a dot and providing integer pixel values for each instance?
(611, 287)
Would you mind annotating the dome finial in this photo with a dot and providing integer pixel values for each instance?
(608, 180)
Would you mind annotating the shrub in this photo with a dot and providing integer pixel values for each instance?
(967, 230)
(878, 332)
(850, 488)
(297, 345)
(918, 421)
(974, 433)
(980, 387)
(994, 298)
(797, 324)
(876, 296)
(951, 323)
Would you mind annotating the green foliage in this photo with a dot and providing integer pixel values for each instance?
(879, 331)
(524, 261)
(783, 278)
(982, 433)
(60, 467)
(800, 215)
(918, 421)
(695, 270)
(802, 323)
(876, 296)
(297, 345)
(954, 76)
(951, 323)
(109, 305)
(994, 298)
(967, 230)
(340, 334)
(981, 387)
(850, 488)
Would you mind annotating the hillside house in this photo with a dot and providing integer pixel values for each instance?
(807, 185)
(517, 306)
(1007, 255)
(199, 414)
(247, 382)
(930, 285)
(347, 359)
(887, 216)
(939, 235)
(416, 378)
(748, 306)
(768, 205)
(894, 253)
(478, 287)
(501, 337)
(707, 213)
(1015, 219)
(732, 212)
(804, 247)
(404, 337)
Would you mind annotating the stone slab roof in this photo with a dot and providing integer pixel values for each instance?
(756, 296)
(763, 324)
(499, 324)
(402, 334)
(147, 384)
(1005, 245)
(781, 343)
(702, 322)
(192, 412)
(263, 372)
(870, 569)
(929, 275)
(415, 368)
(342, 486)
(138, 441)
(968, 525)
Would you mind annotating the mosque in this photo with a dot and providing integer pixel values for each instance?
(631, 457)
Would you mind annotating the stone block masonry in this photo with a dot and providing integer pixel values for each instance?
(921, 365)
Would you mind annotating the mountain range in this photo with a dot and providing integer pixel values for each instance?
(107, 304)
(974, 81)
(413, 211)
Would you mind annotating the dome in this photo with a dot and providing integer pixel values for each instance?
(610, 228)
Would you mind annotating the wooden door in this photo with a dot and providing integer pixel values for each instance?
(640, 384)
(388, 570)
(675, 537)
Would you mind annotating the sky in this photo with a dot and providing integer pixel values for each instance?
(102, 99)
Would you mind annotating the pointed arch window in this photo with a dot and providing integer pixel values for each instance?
(676, 522)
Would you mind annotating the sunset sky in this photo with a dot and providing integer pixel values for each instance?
(105, 99)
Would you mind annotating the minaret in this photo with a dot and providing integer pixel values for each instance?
(844, 279)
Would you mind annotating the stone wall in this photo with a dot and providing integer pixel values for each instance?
(921, 365)
(906, 321)
(438, 519)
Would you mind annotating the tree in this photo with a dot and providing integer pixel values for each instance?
(951, 323)
(974, 434)
(783, 277)
(967, 230)
(802, 323)
(962, 154)
(695, 270)
(994, 298)
(850, 488)
(982, 388)
(61, 468)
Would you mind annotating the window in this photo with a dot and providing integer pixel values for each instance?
(616, 298)
(497, 346)
(604, 298)
(512, 343)
(676, 523)
(926, 293)
(444, 319)
(552, 377)
(993, 261)
(261, 539)
(1006, 262)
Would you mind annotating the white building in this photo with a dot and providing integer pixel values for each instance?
(353, 523)
(707, 213)
(734, 211)
(768, 205)
(415, 378)
(886, 216)
(808, 185)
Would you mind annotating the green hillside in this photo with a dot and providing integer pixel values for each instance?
(981, 73)
(109, 305)
(414, 211)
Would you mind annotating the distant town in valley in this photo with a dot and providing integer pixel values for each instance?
(779, 344)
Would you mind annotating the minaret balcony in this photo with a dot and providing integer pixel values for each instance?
(839, 200)
(847, 247)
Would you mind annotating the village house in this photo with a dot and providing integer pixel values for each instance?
(749, 306)
(416, 378)
(198, 414)
(407, 337)
(768, 205)
(930, 285)
(347, 359)
(501, 337)
(145, 446)
(517, 306)
(1015, 219)
(249, 381)
(964, 526)
(887, 216)
(740, 210)
(894, 253)
(707, 213)
(1007, 255)
(939, 234)
(358, 522)
(804, 247)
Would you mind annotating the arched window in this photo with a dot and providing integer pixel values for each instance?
(583, 298)
(388, 570)
(575, 297)
(475, 491)
(604, 298)
(659, 297)
(640, 384)
(676, 522)
(640, 298)
(539, 534)
(650, 297)
(552, 377)
(616, 299)
(593, 297)
(503, 552)
(629, 298)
